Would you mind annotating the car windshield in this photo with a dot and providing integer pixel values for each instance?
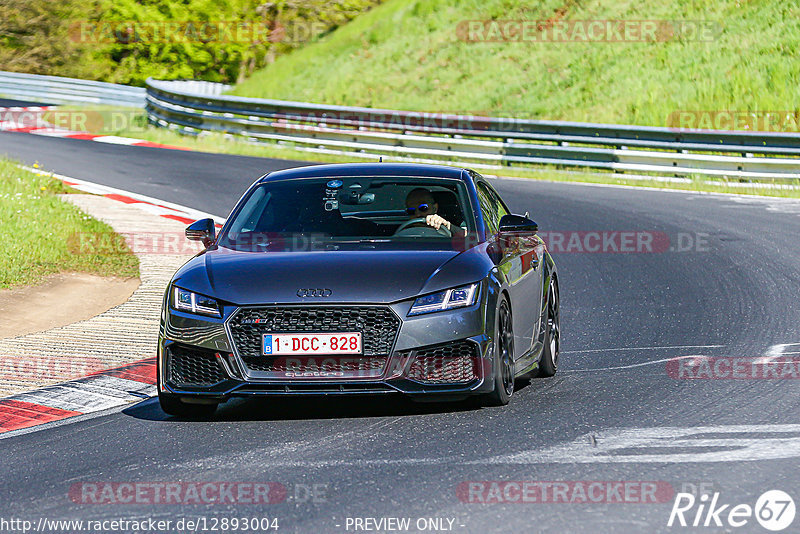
(356, 210)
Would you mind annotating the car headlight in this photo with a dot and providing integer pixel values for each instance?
(195, 303)
(445, 300)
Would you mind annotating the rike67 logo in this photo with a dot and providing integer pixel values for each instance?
(774, 510)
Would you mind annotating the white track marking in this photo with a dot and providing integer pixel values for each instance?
(777, 205)
(116, 140)
(653, 445)
(52, 132)
(776, 351)
(644, 348)
(631, 366)
(628, 445)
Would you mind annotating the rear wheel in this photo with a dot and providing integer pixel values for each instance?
(173, 405)
(548, 365)
(503, 358)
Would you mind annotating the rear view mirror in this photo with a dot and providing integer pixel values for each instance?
(354, 198)
(517, 224)
(202, 230)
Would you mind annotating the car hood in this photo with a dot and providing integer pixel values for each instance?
(248, 278)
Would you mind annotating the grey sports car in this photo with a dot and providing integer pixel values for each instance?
(360, 279)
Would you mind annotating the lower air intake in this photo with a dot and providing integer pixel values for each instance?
(191, 367)
(453, 363)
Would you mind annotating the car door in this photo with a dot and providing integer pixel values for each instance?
(520, 262)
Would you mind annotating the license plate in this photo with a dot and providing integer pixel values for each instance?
(294, 344)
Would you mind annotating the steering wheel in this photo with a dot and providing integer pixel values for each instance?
(422, 229)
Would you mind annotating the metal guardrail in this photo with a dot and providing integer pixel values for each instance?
(58, 90)
(196, 106)
(505, 141)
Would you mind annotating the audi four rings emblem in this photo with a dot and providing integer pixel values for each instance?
(314, 292)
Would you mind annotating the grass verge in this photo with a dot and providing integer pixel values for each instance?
(411, 55)
(39, 225)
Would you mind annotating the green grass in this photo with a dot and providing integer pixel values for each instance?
(405, 54)
(41, 231)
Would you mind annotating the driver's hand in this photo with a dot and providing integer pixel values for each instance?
(437, 221)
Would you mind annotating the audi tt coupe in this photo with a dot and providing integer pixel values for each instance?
(360, 279)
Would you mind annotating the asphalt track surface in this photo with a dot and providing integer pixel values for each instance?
(623, 315)
(11, 102)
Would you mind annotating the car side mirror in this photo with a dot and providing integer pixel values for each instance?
(202, 230)
(517, 224)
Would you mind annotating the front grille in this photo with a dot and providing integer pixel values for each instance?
(187, 367)
(446, 364)
(378, 326)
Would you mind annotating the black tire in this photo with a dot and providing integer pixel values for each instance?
(173, 405)
(548, 365)
(503, 358)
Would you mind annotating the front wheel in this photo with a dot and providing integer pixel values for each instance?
(173, 405)
(503, 358)
(548, 365)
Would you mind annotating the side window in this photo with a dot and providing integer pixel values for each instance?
(489, 208)
(501, 208)
(251, 212)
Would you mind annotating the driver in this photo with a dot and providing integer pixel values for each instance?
(421, 204)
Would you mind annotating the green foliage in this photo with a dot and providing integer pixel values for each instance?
(126, 41)
(34, 37)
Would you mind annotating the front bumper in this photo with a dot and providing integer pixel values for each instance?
(427, 360)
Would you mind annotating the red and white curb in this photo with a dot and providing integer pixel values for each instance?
(97, 392)
(168, 210)
(30, 120)
(103, 390)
